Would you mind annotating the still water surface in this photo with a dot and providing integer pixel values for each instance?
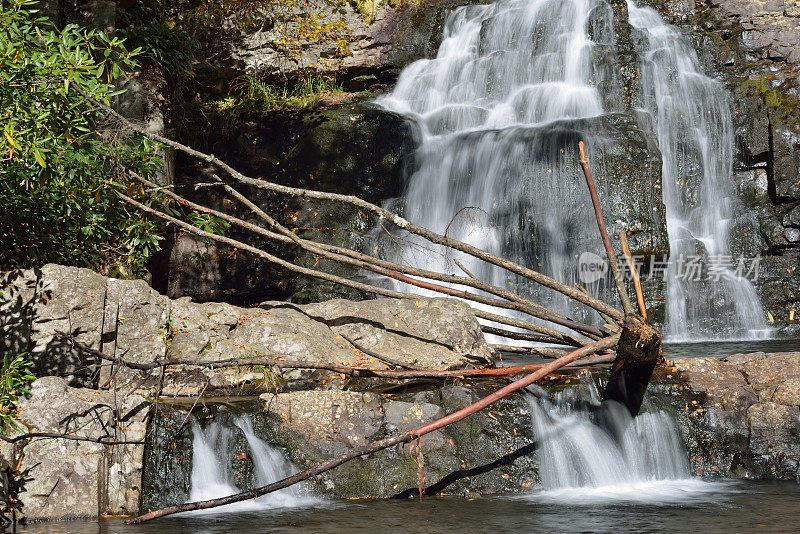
(691, 506)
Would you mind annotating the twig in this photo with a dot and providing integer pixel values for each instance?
(544, 352)
(189, 413)
(367, 288)
(637, 283)
(466, 271)
(379, 356)
(609, 321)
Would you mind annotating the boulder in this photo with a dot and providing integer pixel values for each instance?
(73, 478)
(739, 414)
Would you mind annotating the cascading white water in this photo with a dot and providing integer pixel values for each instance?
(508, 78)
(646, 460)
(695, 135)
(211, 477)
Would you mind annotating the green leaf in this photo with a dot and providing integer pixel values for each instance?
(39, 159)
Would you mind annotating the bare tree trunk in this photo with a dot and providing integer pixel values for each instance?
(638, 352)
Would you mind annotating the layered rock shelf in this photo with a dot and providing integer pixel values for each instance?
(738, 415)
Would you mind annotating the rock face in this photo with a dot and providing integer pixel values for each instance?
(370, 41)
(741, 414)
(128, 319)
(79, 478)
(752, 45)
(116, 316)
(351, 148)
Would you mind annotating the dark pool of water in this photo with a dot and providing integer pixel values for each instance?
(715, 349)
(726, 348)
(727, 507)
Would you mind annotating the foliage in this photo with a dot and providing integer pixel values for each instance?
(169, 46)
(250, 95)
(59, 173)
(208, 223)
(15, 375)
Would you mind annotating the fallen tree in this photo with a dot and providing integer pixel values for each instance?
(405, 437)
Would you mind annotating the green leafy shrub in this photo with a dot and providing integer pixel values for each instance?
(60, 165)
(15, 376)
(250, 95)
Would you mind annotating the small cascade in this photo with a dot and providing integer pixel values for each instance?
(644, 460)
(212, 476)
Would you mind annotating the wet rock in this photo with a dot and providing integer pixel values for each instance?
(739, 414)
(775, 438)
(78, 478)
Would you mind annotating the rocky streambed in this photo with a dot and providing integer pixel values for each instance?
(738, 416)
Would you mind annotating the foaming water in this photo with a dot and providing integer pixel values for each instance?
(589, 456)
(659, 492)
(212, 478)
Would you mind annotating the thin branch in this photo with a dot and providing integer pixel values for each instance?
(521, 336)
(105, 440)
(601, 225)
(544, 352)
(610, 323)
(637, 283)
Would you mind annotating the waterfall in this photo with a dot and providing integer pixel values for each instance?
(695, 135)
(512, 88)
(212, 476)
(495, 107)
(578, 460)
